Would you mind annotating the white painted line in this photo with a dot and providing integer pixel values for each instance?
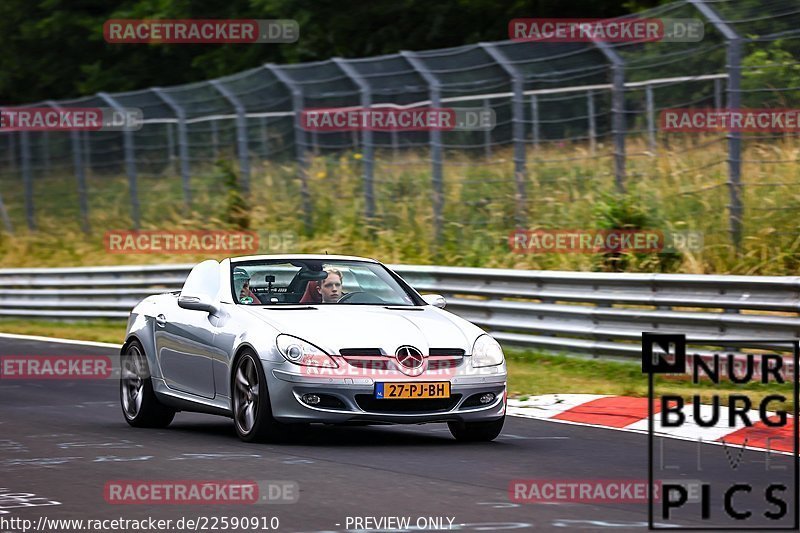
(57, 340)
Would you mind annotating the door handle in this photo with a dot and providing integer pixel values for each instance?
(161, 320)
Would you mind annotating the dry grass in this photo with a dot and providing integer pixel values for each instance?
(683, 188)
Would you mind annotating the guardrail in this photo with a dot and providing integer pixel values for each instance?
(601, 314)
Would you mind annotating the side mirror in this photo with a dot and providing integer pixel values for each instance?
(198, 303)
(436, 300)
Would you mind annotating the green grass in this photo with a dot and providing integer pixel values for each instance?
(112, 331)
(683, 188)
(530, 373)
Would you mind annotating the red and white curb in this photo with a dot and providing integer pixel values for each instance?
(624, 413)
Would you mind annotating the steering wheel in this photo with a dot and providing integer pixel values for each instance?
(361, 297)
(347, 296)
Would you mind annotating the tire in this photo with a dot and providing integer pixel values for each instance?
(476, 431)
(140, 407)
(251, 408)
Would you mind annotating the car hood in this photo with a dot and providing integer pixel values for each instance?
(335, 327)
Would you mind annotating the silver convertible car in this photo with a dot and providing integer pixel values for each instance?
(277, 340)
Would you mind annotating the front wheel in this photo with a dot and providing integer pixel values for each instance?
(476, 431)
(139, 403)
(252, 411)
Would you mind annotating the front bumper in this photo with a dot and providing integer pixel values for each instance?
(351, 400)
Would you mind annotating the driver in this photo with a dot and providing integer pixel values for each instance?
(330, 288)
(241, 284)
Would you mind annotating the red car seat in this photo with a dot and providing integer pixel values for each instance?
(312, 295)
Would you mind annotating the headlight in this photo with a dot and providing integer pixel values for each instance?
(486, 352)
(303, 353)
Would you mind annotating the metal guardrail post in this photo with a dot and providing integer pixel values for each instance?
(80, 175)
(183, 143)
(130, 162)
(617, 111)
(435, 136)
(651, 120)
(366, 136)
(518, 126)
(27, 177)
(592, 122)
(241, 134)
(734, 60)
(299, 142)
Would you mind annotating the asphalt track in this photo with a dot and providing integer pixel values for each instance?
(62, 441)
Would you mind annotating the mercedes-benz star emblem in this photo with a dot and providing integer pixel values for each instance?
(409, 357)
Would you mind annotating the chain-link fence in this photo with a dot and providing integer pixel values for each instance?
(577, 123)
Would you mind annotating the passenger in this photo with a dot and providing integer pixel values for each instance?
(330, 288)
(241, 283)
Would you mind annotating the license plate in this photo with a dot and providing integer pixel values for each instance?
(410, 391)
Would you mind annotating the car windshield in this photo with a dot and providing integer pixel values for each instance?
(307, 281)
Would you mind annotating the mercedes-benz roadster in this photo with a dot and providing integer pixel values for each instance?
(277, 340)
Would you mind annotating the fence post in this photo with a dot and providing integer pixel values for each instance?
(264, 138)
(734, 59)
(87, 151)
(214, 139)
(518, 127)
(170, 145)
(535, 121)
(241, 134)
(299, 142)
(592, 122)
(27, 178)
(435, 136)
(366, 136)
(130, 162)
(3, 211)
(651, 121)
(395, 144)
(183, 143)
(617, 111)
(487, 133)
(717, 93)
(45, 152)
(80, 176)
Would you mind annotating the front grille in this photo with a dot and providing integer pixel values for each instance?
(368, 402)
(360, 351)
(369, 363)
(446, 351)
